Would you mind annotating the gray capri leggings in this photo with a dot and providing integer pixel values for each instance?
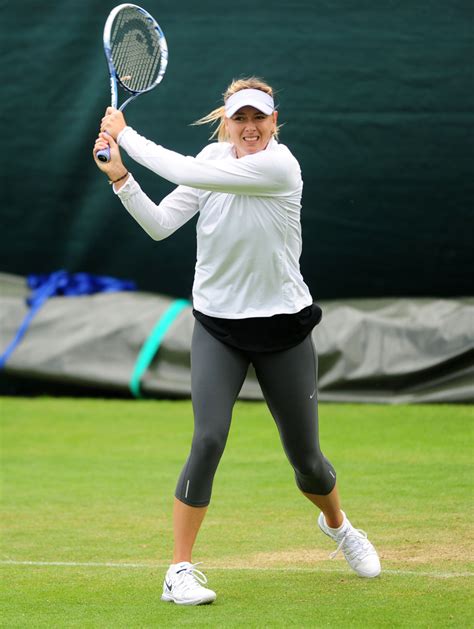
(288, 380)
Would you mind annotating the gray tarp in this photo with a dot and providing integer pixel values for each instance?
(378, 350)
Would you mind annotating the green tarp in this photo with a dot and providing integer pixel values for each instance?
(377, 102)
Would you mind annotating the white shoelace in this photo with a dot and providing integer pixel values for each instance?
(190, 577)
(359, 544)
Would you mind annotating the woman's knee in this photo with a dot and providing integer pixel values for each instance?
(209, 445)
(315, 474)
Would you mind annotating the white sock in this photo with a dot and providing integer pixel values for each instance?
(178, 566)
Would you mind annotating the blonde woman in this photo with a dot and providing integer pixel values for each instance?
(251, 306)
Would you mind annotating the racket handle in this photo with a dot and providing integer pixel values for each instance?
(104, 155)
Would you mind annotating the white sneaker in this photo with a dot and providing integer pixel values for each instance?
(183, 585)
(358, 551)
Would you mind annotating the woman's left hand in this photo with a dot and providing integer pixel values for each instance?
(113, 122)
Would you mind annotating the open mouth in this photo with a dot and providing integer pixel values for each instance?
(251, 138)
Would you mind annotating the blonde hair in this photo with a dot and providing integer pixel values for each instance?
(218, 115)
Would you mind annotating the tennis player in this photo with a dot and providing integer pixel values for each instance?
(251, 306)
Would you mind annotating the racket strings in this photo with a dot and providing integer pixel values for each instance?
(136, 51)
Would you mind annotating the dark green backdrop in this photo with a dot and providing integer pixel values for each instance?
(377, 100)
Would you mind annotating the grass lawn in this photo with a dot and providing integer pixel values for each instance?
(87, 491)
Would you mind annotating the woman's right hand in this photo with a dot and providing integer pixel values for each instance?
(114, 168)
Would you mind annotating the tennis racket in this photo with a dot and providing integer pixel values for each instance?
(136, 53)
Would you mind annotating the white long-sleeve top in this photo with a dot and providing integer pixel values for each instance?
(248, 231)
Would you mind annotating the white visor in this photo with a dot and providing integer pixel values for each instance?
(253, 98)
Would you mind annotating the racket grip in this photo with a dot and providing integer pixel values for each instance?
(103, 155)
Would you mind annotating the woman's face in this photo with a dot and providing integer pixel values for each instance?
(250, 130)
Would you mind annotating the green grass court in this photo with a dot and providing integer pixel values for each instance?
(87, 495)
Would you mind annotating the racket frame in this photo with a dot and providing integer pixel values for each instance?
(114, 78)
(115, 81)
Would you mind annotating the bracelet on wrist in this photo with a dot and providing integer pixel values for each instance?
(119, 179)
